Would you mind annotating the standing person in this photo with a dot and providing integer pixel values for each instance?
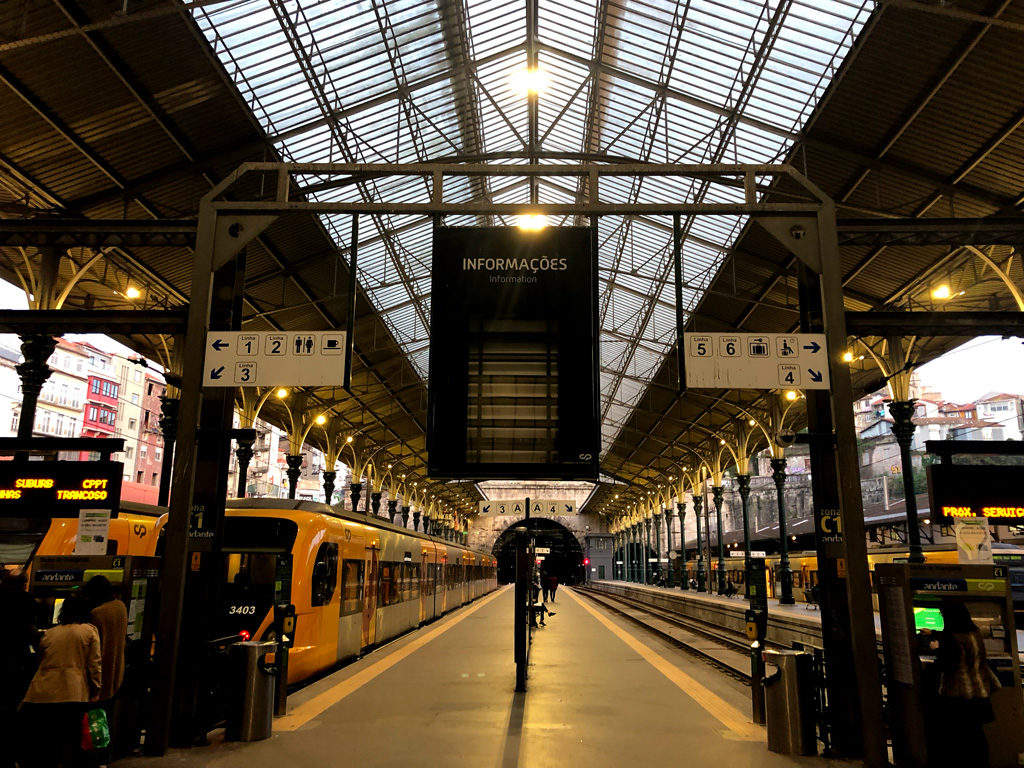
(552, 585)
(965, 684)
(68, 677)
(545, 582)
(110, 617)
(17, 655)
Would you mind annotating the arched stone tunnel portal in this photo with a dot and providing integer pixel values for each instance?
(565, 560)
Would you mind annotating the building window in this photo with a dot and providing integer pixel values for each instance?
(145, 419)
(137, 375)
(129, 452)
(154, 479)
(157, 454)
(95, 386)
(132, 423)
(109, 389)
(73, 427)
(15, 419)
(142, 451)
(138, 476)
(92, 413)
(135, 398)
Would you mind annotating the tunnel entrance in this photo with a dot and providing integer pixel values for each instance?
(564, 561)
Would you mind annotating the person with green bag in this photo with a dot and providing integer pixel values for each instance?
(68, 678)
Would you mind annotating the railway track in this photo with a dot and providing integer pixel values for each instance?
(726, 651)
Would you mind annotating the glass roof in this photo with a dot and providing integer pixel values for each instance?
(404, 81)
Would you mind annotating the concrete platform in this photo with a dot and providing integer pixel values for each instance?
(602, 693)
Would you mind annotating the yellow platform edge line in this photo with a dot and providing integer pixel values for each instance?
(320, 703)
(740, 726)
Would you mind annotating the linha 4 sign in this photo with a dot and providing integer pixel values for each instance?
(538, 507)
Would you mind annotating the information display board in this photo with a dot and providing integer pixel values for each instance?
(513, 389)
(961, 491)
(58, 488)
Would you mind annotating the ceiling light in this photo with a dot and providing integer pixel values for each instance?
(526, 81)
(282, 393)
(348, 439)
(791, 394)
(941, 292)
(847, 357)
(532, 222)
(321, 419)
(132, 292)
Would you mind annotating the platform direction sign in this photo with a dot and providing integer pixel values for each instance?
(756, 360)
(273, 358)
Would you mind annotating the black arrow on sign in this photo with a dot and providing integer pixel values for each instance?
(216, 372)
(220, 344)
(813, 346)
(815, 376)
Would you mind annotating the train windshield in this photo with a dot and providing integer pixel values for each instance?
(257, 570)
(19, 539)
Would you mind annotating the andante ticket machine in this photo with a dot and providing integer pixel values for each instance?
(135, 580)
(910, 601)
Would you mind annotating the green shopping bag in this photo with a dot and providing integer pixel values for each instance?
(95, 731)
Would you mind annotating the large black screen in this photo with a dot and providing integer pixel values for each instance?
(513, 389)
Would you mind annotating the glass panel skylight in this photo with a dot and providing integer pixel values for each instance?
(403, 81)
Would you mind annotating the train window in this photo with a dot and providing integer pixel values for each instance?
(254, 581)
(325, 574)
(411, 582)
(351, 587)
(387, 587)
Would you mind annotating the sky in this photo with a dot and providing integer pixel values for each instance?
(982, 365)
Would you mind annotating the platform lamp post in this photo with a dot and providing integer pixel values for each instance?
(250, 401)
(648, 566)
(897, 366)
(301, 420)
(656, 525)
(697, 490)
(359, 463)
(678, 491)
(778, 438)
(667, 513)
(332, 443)
(716, 467)
(403, 491)
(746, 435)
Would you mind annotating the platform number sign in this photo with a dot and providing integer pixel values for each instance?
(756, 360)
(238, 359)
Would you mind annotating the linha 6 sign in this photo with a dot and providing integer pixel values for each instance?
(513, 389)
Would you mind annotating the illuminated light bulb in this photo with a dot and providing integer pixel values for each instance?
(321, 419)
(132, 292)
(348, 439)
(281, 393)
(752, 422)
(525, 81)
(791, 394)
(721, 442)
(532, 222)
(847, 357)
(941, 292)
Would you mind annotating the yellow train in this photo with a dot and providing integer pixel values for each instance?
(355, 581)
(804, 566)
(132, 532)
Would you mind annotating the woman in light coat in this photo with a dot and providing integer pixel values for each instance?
(67, 679)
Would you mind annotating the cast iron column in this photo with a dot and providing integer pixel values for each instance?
(785, 574)
(426, 523)
(36, 349)
(375, 502)
(329, 478)
(356, 491)
(657, 546)
(743, 483)
(624, 541)
(698, 502)
(392, 509)
(648, 568)
(902, 412)
(716, 497)
(416, 520)
(169, 429)
(294, 462)
(667, 514)
(405, 515)
(244, 455)
(681, 514)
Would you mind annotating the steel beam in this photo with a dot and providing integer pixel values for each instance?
(996, 230)
(935, 323)
(97, 233)
(56, 322)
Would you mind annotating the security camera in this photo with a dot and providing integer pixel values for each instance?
(786, 437)
(797, 232)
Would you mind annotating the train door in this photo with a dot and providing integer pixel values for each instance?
(426, 592)
(370, 599)
(443, 586)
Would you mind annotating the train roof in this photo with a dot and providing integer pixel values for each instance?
(319, 508)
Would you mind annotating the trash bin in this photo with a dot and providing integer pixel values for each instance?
(789, 700)
(251, 692)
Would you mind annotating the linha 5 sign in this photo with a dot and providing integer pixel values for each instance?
(58, 488)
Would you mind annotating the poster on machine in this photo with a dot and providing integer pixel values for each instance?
(973, 540)
(93, 532)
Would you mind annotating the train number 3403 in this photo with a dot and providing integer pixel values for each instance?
(242, 610)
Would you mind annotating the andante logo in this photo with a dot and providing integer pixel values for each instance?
(541, 264)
